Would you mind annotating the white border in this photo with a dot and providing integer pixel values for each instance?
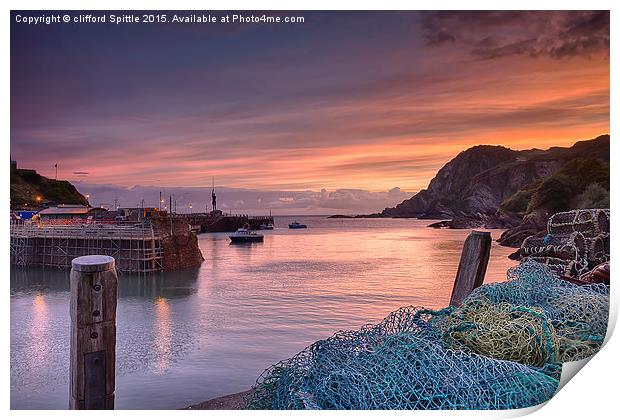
(590, 395)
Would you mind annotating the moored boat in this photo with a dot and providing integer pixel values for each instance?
(244, 235)
(296, 225)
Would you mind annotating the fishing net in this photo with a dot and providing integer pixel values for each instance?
(578, 314)
(409, 369)
(501, 349)
(504, 332)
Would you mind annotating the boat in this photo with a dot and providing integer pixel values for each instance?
(269, 225)
(296, 225)
(245, 235)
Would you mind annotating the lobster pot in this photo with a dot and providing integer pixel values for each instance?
(579, 242)
(603, 224)
(592, 221)
(598, 249)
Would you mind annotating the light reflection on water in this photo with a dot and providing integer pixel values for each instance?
(163, 335)
(188, 336)
(38, 332)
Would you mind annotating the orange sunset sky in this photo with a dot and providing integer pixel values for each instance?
(366, 100)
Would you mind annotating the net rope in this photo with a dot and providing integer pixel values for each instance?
(501, 349)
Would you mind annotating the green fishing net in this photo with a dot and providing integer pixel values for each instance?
(501, 349)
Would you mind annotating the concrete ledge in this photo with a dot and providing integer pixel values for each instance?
(236, 401)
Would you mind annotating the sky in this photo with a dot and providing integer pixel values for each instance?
(345, 101)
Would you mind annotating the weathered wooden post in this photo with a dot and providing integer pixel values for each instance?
(473, 265)
(93, 333)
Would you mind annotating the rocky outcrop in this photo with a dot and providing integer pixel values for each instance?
(495, 187)
(534, 224)
(180, 251)
(479, 179)
(179, 245)
(478, 221)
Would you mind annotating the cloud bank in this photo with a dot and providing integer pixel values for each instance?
(247, 201)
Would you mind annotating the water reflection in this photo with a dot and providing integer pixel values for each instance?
(39, 327)
(178, 284)
(38, 280)
(163, 334)
(173, 285)
(187, 336)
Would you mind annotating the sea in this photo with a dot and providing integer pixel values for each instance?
(188, 336)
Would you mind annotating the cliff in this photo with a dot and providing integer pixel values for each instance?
(27, 185)
(480, 179)
(496, 187)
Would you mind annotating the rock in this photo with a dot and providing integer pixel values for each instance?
(515, 256)
(534, 224)
(180, 246)
(441, 224)
(477, 221)
(479, 179)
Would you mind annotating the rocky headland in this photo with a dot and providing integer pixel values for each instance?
(499, 188)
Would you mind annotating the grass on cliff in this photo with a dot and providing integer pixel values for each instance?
(27, 185)
(580, 183)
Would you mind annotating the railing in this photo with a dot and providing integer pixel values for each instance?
(209, 215)
(83, 231)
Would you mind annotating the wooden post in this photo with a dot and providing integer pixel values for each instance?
(473, 265)
(93, 333)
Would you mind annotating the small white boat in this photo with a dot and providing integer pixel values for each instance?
(244, 235)
(268, 226)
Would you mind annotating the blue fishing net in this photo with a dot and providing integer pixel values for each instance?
(501, 349)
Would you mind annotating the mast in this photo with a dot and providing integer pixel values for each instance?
(213, 196)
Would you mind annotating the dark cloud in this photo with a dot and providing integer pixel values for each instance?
(494, 34)
(439, 37)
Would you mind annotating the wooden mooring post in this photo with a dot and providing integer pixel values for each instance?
(472, 267)
(93, 333)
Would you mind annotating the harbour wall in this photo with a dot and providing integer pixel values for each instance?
(179, 244)
(141, 248)
(209, 222)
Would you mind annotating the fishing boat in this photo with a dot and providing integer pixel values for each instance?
(296, 225)
(245, 235)
(268, 226)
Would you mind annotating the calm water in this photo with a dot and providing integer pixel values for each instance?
(188, 336)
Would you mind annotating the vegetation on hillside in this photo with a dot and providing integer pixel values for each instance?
(27, 186)
(579, 183)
